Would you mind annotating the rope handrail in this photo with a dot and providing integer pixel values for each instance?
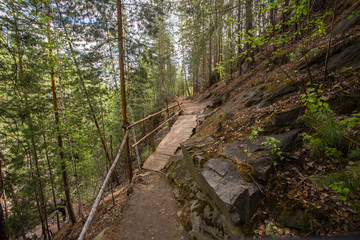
(150, 116)
(102, 189)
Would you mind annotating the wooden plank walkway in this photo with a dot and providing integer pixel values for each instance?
(180, 131)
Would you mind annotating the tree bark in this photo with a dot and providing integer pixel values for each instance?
(248, 28)
(330, 40)
(3, 186)
(122, 82)
(3, 229)
(38, 185)
(51, 179)
(59, 137)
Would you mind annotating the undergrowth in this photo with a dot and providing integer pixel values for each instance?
(327, 136)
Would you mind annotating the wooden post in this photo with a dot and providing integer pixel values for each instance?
(152, 136)
(168, 112)
(182, 111)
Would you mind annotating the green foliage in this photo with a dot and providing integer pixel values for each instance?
(314, 103)
(272, 227)
(354, 154)
(355, 205)
(280, 33)
(352, 121)
(332, 152)
(221, 69)
(271, 144)
(349, 177)
(327, 135)
(146, 152)
(342, 191)
(248, 153)
(254, 133)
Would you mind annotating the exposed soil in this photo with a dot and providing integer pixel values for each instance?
(151, 212)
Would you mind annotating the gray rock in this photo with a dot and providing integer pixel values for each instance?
(195, 221)
(281, 92)
(195, 206)
(344, 104)
(287, 140)
(255, 98)
(232, 150)
(263, 165)
(231, 189)
(261, 158)
(207, 212)
(201, 230)
(215, 103)
(213, 231)
(177, 193)
(350, 57)
(288, 117)
(345, 24)
(221, 217)
(294, 219)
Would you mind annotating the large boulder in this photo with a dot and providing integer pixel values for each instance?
(260, 159)
(241, 197)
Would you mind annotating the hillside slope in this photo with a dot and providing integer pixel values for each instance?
(287, 133)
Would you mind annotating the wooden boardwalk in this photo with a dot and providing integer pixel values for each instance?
(180, 131)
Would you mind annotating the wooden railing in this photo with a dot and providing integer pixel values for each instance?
(151, 134)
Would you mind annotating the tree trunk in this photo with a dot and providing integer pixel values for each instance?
(2, 185)
(3, 229)
(70, 140)
(330, 40)
(40, 204)
(248, 28)
(285, 15)
(203, 44)
(210, 60)
(60, 139)
(122, 82)
(51, 179)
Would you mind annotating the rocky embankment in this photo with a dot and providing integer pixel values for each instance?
(220, 174)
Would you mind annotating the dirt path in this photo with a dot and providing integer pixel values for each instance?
(150, 213)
